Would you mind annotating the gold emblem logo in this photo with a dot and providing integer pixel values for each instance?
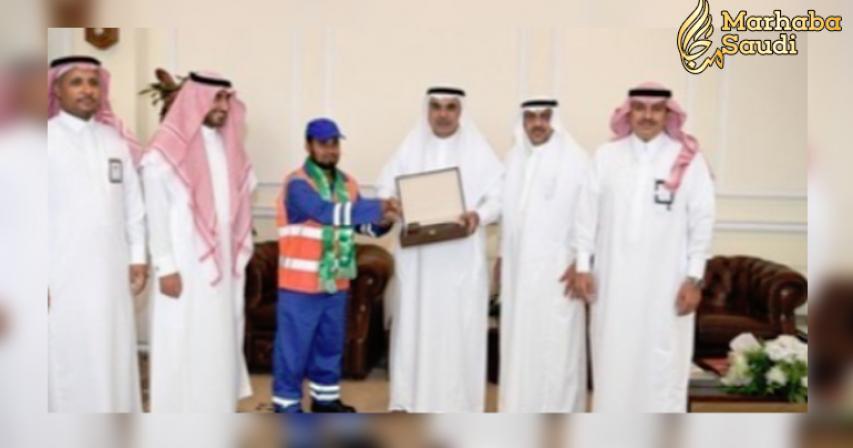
(694, 35)
(694, 40)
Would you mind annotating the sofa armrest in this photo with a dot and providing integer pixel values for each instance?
(375, 267)
(253, 291)
(261, 274)
(774, 290)
(788, 292)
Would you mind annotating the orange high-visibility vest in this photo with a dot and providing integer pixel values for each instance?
(300, 245)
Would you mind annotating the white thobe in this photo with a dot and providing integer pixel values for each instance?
(197, 361)
(644, 251)
(820, 233)
(543, 333)
(440, 305)
(23, 279)
(97, 229)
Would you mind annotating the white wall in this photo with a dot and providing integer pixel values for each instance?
(366, 63)
(750, 118)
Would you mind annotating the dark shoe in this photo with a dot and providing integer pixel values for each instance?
(336, 406)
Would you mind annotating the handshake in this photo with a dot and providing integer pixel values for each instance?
(391, 211)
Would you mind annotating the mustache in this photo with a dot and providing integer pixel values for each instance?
(324, 165)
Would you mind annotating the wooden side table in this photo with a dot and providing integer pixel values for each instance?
(707, 395)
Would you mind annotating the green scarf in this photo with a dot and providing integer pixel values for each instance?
(338, 258)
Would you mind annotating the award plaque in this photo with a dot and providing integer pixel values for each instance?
(432, 203)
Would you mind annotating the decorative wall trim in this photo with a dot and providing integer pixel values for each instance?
(690, 101)
(296, 55)
(328, 72)
(730, 195)
(723, 126)
(265, 213)
(63, 41)
(764, 195)
(523, 42)
(171, 51)
(557, 63)
(762, 226)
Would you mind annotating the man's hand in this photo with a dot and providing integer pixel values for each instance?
(689, 297)
(390, 205)
(391, 211)
(569, 279)
(171, 285)
(470, 220)
(584, 287)
(138, 278)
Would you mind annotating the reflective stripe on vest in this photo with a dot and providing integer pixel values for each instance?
(300, 245)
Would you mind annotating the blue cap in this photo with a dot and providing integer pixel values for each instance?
(322, 129)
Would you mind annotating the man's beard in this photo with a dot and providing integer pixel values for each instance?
(546, 137)
(214, 121)
(216, 124)
(326, 166)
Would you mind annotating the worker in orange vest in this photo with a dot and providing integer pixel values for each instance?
(318, 214)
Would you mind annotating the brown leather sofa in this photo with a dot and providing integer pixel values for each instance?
(741, 294)
(746, 294)
(366, 341)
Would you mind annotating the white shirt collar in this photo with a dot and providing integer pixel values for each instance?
(444, 143)
(650, 148)
(209, 132)
(530, 148)
(76, 124)
(449, 138)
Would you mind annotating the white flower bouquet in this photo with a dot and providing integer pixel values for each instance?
(773, 368)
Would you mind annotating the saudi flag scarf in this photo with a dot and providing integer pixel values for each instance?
(338, 258)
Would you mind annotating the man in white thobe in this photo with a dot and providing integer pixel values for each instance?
(646, 216)
(198, 185)
(439, 297)
(97, 238)
(543, 330)
(23, 226)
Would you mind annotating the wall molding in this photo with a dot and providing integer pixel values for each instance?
(731, 226)
(690, 101)
(295, 103)
(768, 195)
(762, 226)
(263, 212)
(328, 70)
(60, 42)
(556, 63)
(523, 41)
(172, 51)
(723, 126)
(763, 195)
